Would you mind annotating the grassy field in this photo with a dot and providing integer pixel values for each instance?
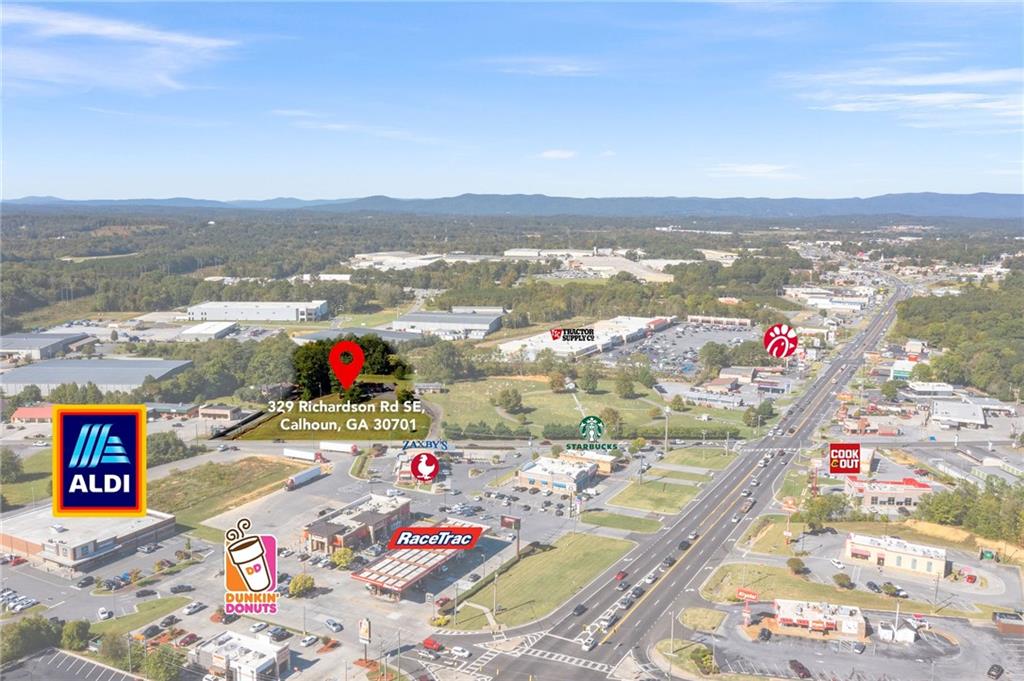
(779, 582)
(620, 521)
(58, 313)
(147, 612)
(659, 497)
(196, 494)
(679, 650)
(657, 473)
(793, 485)
(714, 458)
(503, 478)
(544, 580)
(701, 619)
(271, 429)
(35, 482)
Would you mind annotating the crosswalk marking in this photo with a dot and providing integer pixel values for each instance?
(569, 659)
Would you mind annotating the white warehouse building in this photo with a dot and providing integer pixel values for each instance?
(449, 325)
(235, 311)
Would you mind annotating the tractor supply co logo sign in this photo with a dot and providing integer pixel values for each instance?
(250, 571)
(843, 458)
(591, 429)
(435, 538)
(99, 460)
(573, 335)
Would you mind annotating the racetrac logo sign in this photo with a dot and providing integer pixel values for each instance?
(435, 538)
(99, 460)
(843, 458)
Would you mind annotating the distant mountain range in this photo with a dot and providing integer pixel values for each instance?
(924, 204)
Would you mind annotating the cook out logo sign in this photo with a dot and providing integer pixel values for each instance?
(843, 458)
(250, 571)
(780, 340)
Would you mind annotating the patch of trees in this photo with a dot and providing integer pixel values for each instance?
(483, 431)
(983, 329)
(995, 511)
(164, 448)
(315, 378)
(617, 429)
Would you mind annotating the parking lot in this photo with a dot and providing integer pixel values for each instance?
(829, 660)
(55, 665)
(675, 349)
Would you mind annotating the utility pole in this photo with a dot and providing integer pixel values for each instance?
(668, 410)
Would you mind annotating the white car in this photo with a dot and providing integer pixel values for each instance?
(104, 614)
(588, 644)
(193, 607)
(754, 482)
(837, 564)
(651, 578)
(460, 653)
(257, 627)
(308, 640)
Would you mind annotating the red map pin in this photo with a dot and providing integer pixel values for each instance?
(346, 373)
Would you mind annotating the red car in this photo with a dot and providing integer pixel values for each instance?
(18, 560)
(920, 471)
(620, 575)
(442, 601)
(188, 640)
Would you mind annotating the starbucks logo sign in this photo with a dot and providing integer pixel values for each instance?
(591, 428)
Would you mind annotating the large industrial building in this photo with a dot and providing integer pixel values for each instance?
(367, 520)
(718, 321)
(238, 311)
(39, 346)
(79, 544)
(449, 325)
(107, 374)
(950, 414)
(205, 331)
(565, 477)
(891, 552)
(330, 334)
(240, 657)
(607, 334)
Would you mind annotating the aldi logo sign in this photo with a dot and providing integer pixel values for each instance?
(843, 458)
(99, 460)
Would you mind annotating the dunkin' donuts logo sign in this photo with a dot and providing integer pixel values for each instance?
(250, 571)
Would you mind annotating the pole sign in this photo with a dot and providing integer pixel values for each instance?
(364, 632)
(746, 595)
(843, 458)
(510, 522)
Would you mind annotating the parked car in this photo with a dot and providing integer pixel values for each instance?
(442, 601)
(85, 581)
(187, 640)
(837, 564)
(104, 614)
(151, 631)
(142, 593)
(181, 588)
(799, 669)
(995, 671)
(193, 607)
(229, 618)
(859, 647)
(169, 621)
(873, 587)
(257, 627)
(308, 640)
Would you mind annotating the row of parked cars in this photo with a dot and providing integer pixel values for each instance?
(14, 602)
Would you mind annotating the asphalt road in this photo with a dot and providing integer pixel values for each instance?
(557, 654)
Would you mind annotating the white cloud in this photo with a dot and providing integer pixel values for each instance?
(45, 48)
(557, 154)
(564, 67)
(607, 153)
(964, 99)
(767, 171)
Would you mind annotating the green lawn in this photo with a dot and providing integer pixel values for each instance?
(36, 481)
(659, 497)
(620, 521)
(544, 580)
(148, 611)
(196, 494)
(779, 582)
(657, 473)
(271, 429)
(714, 458)
(503, 478)
(793, 485)
(701, 619)
(678, 651)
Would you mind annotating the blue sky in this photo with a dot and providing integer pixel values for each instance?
(323, 100)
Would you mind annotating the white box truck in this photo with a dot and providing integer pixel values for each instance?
(302, 478)
(342, 447)
(303, 455)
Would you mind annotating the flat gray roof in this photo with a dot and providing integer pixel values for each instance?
(359, 332)
(38, 526)
(98, 371)
(450, 317)
(36, 341)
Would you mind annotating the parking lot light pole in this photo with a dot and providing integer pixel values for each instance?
(664, 450)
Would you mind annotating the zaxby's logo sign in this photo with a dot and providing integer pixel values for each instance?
(843, 458)
(99, 460)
